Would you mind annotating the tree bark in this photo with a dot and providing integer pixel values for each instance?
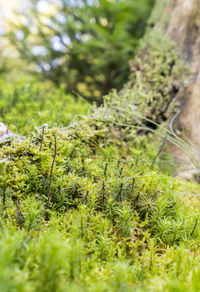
(184, 30)
(179, 20)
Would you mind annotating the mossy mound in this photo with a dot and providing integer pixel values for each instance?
(101, 217)
(113, 224)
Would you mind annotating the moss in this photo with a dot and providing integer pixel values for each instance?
(156, 12)
(88, 165)
(157, 77)
(27, 103)
(112, 221)
(115, 222)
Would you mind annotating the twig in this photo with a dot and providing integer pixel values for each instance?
(51, 174)
(42, 138)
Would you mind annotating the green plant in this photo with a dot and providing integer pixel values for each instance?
(79, 44)
(27, 104)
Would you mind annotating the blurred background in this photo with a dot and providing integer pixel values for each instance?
(79, 47)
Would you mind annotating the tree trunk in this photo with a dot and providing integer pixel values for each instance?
(178, 21)
(184, 30)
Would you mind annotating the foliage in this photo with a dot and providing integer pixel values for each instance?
(157, 75)
(26, 104)
(113, 224)
(85, 45)
(4, 62)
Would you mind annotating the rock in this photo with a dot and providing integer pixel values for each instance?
(3, 129)
(6, 134)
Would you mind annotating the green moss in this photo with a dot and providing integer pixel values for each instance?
(86, 171)
(114, 223)
(156, 12)
(157, 76)
(27, 103)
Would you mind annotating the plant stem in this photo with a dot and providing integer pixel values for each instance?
(51, 174)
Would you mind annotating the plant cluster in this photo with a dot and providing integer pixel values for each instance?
(112, 224)
(85, 207)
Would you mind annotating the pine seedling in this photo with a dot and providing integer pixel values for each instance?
(33, 212)
(110, 208)
(92, 202)
(124, 220)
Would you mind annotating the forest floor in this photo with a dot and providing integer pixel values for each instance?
(83, 210)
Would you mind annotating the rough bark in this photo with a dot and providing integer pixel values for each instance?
(184, 30)
(179, 21)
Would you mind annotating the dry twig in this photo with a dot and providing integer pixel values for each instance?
(51, 174)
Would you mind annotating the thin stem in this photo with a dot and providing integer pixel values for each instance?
(51, 174)
(159, 151)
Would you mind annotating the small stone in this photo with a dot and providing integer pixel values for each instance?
(6, 135)
(3, 129)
